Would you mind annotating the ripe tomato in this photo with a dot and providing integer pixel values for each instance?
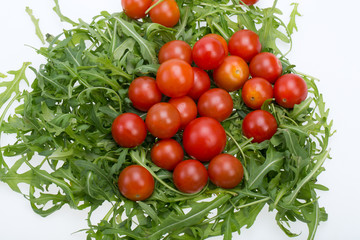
(128, 130)
(190, 176)
(260, 125)
(175, 78)
(244, 44)
(204, 138)
(221, 40)
(163, 120)
(187, 109)
(135, 9)
(208, 53)
(250, 2)
(290, 89)
(255, 92)
(266, 65)
(175, 49)
(225, 171)
(166, 13)
(201, 83)
(215, 103)
(136, 183)
(231, 74)
(167, 153)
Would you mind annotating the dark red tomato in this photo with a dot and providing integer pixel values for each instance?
(175, 49)
(143, 93)
(135, 9)
(167, 153)
(175, 78)
(231, 74)
(208, 53)
(136, 183)
(225, 171)
(215, 103)
(187, 109)
(266, 65)
(260, 125)
(201, 83)
(221, 40)
(128, 130)
(256, 91)
(166, 13)
(204, 138)
(163, 120)
(250, 2)
(244, 44)
(190, 176)
(290, 89)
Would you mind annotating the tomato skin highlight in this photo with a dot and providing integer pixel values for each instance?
(135, 9)
(208, 53)
(128, 130)
(136, 183)
(175, 49)
(266, 65)
(256, 91)
(144, 93)
(259, 124)
(201, 84)
(167, 153)
(245, 44)
(250, 2)
(190, 176)
(187, 109)
(290, 89)
(221, 40)
(166, 13)
(225, 171)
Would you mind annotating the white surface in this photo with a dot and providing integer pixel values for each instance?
(326, 46)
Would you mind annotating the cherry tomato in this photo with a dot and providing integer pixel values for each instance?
(166, 13)
(135, 9)
(190, 176)
(175, 49)
(215, 103)
(255, 92)
(208, 53)
(175, 78)
(266, 65)
(201, 83)
(225, 171)
(231, 74)
(260, 125)
(290, 89)
(250, 2)
(136, 183)
(167, 153)
(244, 44)
(128, 130)
(221, 40)
(204, 138)
(187, 109)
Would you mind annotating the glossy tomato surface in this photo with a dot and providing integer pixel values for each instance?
(256, 91)
(175, 49)
(135, 9)
(290, 89)
(245, 44)
(166, 13)
(167, 153)
(221, 40)
(143, 93)
(201, 84)
(260, 125)
(250, 2)
(190, 176)
(266, 65)
(208, 53)
(187, 109)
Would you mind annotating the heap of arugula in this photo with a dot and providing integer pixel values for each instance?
(65, 120)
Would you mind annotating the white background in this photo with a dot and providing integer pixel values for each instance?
(326, 46)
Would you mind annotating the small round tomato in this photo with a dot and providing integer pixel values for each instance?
(260, 125)
(136, 183)
(221, 40)
(250, 2)
(166, 13)
(187, 109)
(167, 153)
(204, 138)
(175, 78)
(231, 74)
(128, 130)
(225, 171)
(266, 65)
(215, 103)
(290, 89)
(163, 120)
(255, 92)
(245, 44)
(135, 9)
(190, 176)
(201, 83)
(143, 93)
(208, 53)
(175, 49)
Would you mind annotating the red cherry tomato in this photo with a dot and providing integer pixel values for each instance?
(163, 120)
(255, 92)
(221, 40)
(128, 130)
(135, 9)
(215, 103)
(190, 176)
(136, 183)
(266, 65)
(204, 138)
(244, 44)
(175, 49)
(166, 13)
(225, 171)
(167, 153)
(201, 83)
(250, 2)
(290, 89)
(175, 78)
(187, 109)
(208, 53)
(260, 125)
